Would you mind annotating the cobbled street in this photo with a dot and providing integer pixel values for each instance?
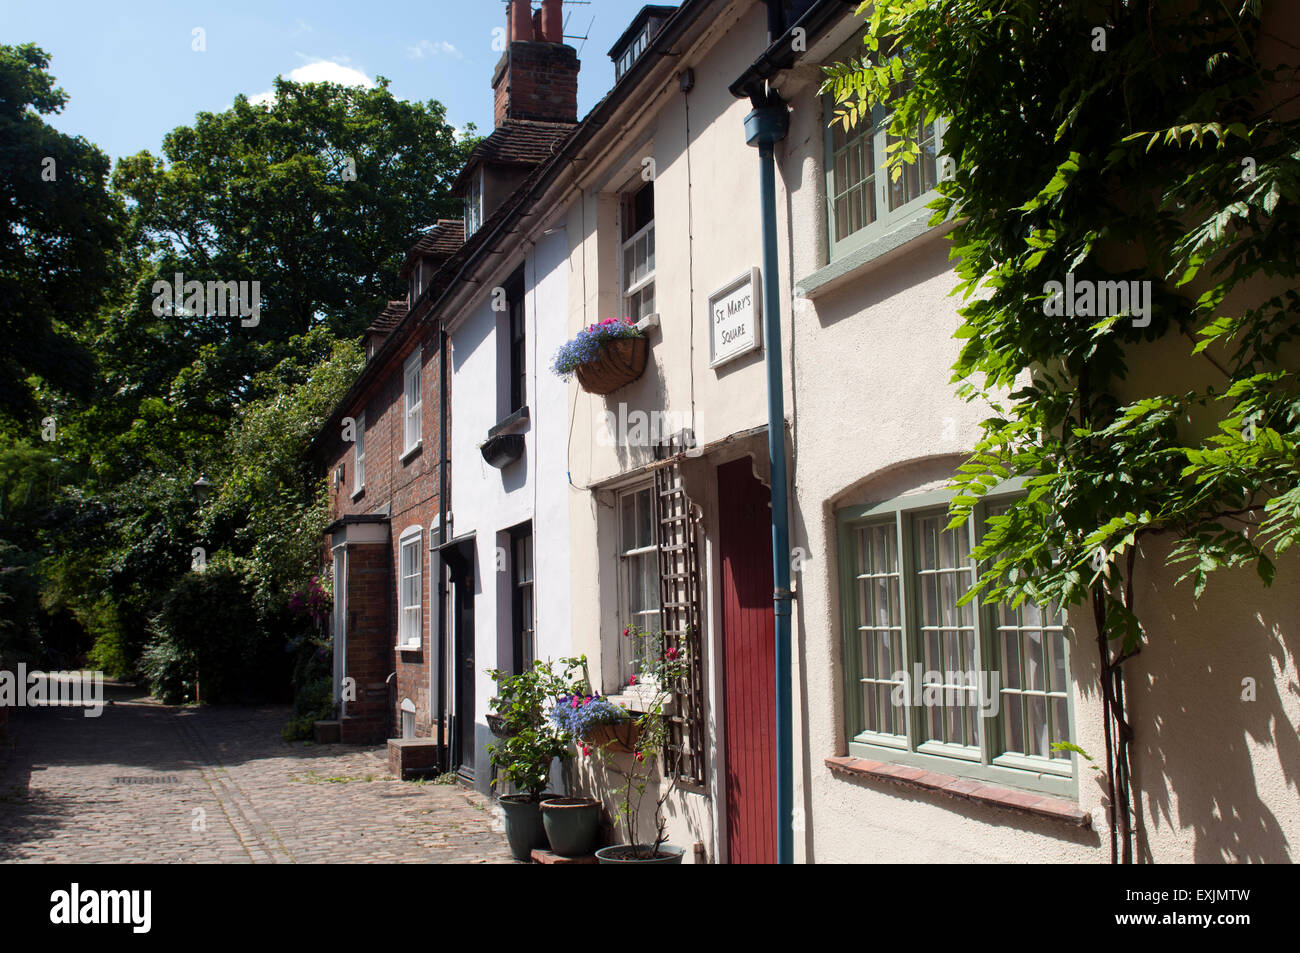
(151, 783)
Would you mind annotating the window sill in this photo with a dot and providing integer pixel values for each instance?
(516, 422)
(409, 646)
(640, 701)
(865, 258)
(1035, 805)
(406, 457)
(358, 493)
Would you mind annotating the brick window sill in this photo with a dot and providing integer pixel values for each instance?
(1022, 802)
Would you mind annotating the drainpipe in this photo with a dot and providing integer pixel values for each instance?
(444, 616)
(764, 127)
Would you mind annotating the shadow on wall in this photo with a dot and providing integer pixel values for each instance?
(1207, 761)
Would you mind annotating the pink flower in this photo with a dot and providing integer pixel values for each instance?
(671, 653)
(627, 631)
(573, 702)
(640, 756)
(586, 752)
(631, 679)
(587, 700)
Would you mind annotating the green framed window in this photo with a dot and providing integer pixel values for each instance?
(974, 690)
(863, 202)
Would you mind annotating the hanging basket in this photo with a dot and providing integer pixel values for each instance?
(619, 362)
(614, 736)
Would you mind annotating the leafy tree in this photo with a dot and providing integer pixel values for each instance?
(268, 495)
(61, 231)
(316, 195)
(1139, 141)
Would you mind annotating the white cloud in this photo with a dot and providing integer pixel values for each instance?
(320, 71)
(426, 48)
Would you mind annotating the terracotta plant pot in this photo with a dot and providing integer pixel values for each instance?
(524, 830)
(619, 362)
(616, 736)
(572, 825)
(623, 854)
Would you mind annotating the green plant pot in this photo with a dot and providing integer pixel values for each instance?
(620, 854)
(524, 830)
(572, 824)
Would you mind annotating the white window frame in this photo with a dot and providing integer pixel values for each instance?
(625, 248)
(646, 618)
(359, 455)
(410, 615)
(412, 425)
(474, 204)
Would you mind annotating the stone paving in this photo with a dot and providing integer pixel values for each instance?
(151, 783)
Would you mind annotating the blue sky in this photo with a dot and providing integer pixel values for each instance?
(131, 73)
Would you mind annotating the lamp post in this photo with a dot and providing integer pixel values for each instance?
(201, 489)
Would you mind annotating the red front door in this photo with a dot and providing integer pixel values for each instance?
(749, 663)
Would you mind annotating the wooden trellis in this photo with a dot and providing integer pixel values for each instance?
(679, 600)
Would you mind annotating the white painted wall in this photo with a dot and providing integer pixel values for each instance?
(487, 501)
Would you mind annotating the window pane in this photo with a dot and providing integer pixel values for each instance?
(947, 630)
(1035, 708)
(879, 627)
(853, 179)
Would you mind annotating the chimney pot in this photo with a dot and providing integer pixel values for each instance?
(521, 20)
(553, 21)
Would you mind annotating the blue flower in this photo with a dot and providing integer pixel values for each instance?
(585, 347)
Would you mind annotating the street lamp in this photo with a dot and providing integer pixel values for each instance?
(201, 488)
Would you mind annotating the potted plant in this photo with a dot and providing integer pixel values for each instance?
(573, 824)
(664, 667)
(527, 745)
(603, 356)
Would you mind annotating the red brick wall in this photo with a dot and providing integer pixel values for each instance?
(369, 642)
(410, 489)
(538, 81)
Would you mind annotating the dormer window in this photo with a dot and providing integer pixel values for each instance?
(637, 37)
(630, 55)
(416, 287)
(474, 204)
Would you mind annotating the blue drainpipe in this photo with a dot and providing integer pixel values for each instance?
(764, 127)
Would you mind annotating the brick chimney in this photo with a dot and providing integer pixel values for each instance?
(538, 76)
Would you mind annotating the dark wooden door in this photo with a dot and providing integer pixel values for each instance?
(749, 663)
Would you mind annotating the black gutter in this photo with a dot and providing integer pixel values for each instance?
(444, 616)
(781, 54)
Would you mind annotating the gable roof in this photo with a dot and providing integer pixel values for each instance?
(517, 142)
(389, 318)
(441, 242)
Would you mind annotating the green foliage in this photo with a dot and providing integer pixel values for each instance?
(208, 644)
(313, 685)
(662, 668)
(61, 229)
(1164, 158)
(315, 194)
(105, 514)
(530, 741)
